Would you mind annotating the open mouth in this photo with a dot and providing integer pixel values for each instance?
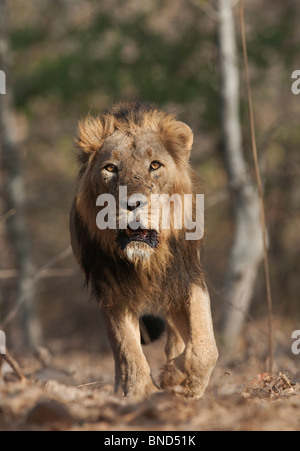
(129, 235)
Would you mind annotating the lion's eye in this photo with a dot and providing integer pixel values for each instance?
(155, 165)
(111, 168)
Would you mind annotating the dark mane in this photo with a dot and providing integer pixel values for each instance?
(132, 111)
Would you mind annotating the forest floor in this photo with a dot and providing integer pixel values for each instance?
(73, 391)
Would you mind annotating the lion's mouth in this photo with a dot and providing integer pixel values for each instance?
(129, 235)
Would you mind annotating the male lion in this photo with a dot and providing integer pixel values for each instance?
(143, 270)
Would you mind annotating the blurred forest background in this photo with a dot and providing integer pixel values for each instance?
(66, 58)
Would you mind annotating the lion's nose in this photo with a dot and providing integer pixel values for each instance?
(131, 207)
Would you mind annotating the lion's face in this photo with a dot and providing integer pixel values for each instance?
(142, 165)
(141, 161)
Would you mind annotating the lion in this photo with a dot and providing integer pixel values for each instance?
(143, 270)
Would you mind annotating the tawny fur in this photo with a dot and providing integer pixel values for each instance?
(167, 280)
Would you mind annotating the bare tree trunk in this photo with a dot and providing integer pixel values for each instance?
(13, 193)
(6, 252)
(247, 249)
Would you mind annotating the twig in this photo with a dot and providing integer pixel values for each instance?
(35, 279)
(92, 384)
(208, 9)
(47, 273)
(14, 365)
(7, 215)
(260, 187)
(247, 316)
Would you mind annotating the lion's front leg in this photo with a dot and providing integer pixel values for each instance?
(193, 367)
(132, 371)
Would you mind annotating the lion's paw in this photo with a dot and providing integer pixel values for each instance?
(188, 386)
(171, 375)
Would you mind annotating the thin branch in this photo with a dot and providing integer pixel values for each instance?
(14, 365)
(93, 384)
(208, 9)
(7, 215)
(246, 315)
(47, 273)
(260, 187)
(34, 281)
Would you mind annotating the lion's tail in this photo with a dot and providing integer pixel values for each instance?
(152, 327)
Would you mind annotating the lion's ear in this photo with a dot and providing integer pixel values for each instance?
(178, 139)
(185, 135)
(92, 132)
